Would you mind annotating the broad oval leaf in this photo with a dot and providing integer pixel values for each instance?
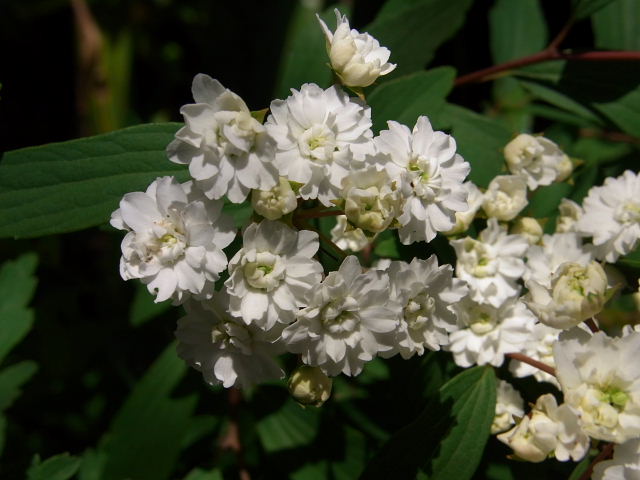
(584, 8)
(517, 29)
(616, 26)
(59, 467)
(406, 98)
(68, 186)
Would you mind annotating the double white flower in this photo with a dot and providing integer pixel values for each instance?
(175, 240)
(429, 173)
(272, 274)
(228, 151)
(349, 320)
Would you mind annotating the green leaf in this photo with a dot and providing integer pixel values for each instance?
(611, 89)
(406, 98)
(147, 434)
(240, 212)
(581, 468)
(480, 141)
(92, 465)
(517, 29)
(616, 26)
(67, 186)
(289, 427)
(414, 29)
(561, 100)
(11, 380)
(545, 200)
(449, 435)
(17, 284)
(60, 467)
(304, 56)
(143, 308)
(199, 474)
(584, 8)
(632, 259)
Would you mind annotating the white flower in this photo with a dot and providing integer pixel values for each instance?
(487, 333)
(537, 159)
(543, 260)
(371, 201)
(272, 274)
(175, 240)
(223, 348)
(318, 134)
(570, 213)
(600, 377)
(429, 173)
(505, 198)
(464, 218)
(509, 404)
(348, 237)
(538, 346)
(491, 265)
(349, 320)
(529, 228)
(227, 150)
(575, 294)
(426, 292)
(357, 58)
(309, 386)
(625, 464)
(549, 428)
(274, 203)
(612, 216)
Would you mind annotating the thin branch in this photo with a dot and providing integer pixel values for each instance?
(589, 322)
(231, 440)
(603, 455)
(534, 363)
(562, 34)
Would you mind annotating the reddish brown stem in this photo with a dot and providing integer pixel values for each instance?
(231, 440)
(534, 363)
(589, 322)
(603, 455)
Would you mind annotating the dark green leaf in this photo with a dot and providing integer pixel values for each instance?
(92, 465)
(617, 26)
(67, 186)
(406, 98)
(147, 434)
(304, 56)
(584, 8)
(143, 308)
(545, 200)
(480, 141)
(580, 469)
(289, 427)
(517, 29)
(632, 259)
(414, 29)
(449, 435)
(199, 474)
(60, 467)
(11, 380)
(17, 284)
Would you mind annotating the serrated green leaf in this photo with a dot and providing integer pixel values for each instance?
(11, 380)
(616, 26)
(17, 284)
(60, 467)
(67, 186)
(405, 99)
(449, 435)
(304, 55)
(147, 434)
(517, 29)
(480, 141)
(414, 29)
(584, 8)
(289, 427)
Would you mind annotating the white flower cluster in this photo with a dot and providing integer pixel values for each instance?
(515, 293)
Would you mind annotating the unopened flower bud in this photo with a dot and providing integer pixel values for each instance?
(537, 159)
(310, 386)
(529, 228)
(276, 202)
(506, 197)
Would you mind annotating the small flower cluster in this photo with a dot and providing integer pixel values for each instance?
(515, 293)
